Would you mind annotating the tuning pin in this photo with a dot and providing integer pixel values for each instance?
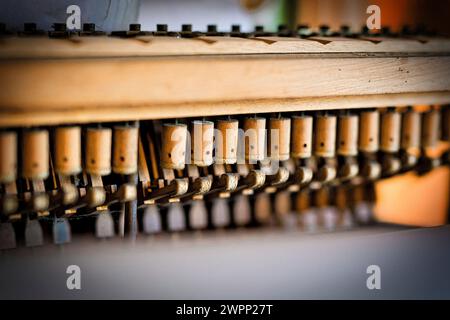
(324, 30)
(104, 225)
(59, 27)
(89, 30)
(152, 220)
(88, 27)
(8, 152)
(30, 29)
(279, 138)
(365, 30)
(446, 124)
(227, 141)
(446, 133)
(33, 233)
(347, 149)
(61, 231)
(202, 141)
(175, 217)
(282, 27)
(301, 151)
(236, 31)
(303, 30)
(410, 138)
(345, 31)
(125, 150)
(259, 32)
(161, 30)
(241, 211)
(369, 131)
(174, 137)
(36, 146)
(135, 27)
(186, 31)
(220, 213)
(406, 31)
(35, 166)
(325, 146)
(302, 131)
(67, 160)
(283, 31)
(431, 121)
(390, 141)
(255, 148)
(386, 31)
(211, 30)
(7, 236)
(125, 163)
(59, 31)
(98, 151)
(348, 135)
(368, 144)
(325, 143)
(430, 128)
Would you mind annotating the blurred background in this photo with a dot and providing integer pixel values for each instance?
(111, 15)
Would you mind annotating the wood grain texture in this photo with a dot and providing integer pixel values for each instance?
(89, 79)
(35, 117)
(123, 89)
(144, 46)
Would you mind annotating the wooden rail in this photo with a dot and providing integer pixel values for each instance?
(89, 79)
